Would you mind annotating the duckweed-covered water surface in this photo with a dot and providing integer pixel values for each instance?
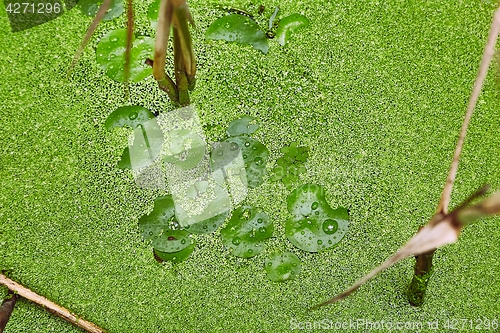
(353, 121)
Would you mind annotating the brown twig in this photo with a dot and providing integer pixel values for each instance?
(6, 309)
(100, 14)
(489, 51)
(50, 306)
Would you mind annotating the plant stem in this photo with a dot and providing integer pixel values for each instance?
(6, 309)
(49, 305)
(421, 276)
(180, 70)
(166, 84)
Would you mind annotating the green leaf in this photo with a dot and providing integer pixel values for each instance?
(148, 137)
(153, 10)
(273, 17)
(242, 126)
(90, 8)
(161, 218)
(176, 257)
(186, 149)
(246, 232)
(282, 267)
(255, 156)
(131, 116)
(288, 25)
(238, 28)
(290, 166)
(160, 225)
(315, 225)
(110, 55)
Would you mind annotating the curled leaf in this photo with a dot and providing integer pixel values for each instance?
(288, 25)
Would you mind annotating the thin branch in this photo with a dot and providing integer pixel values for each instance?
(128, 48)
(99, 16)
(49, 305)
(488, 54)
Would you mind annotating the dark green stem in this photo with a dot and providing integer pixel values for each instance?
(180, 71)
(167, 85)
(421, 276)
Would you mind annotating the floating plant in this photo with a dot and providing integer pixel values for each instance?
(282, 267)
(110, 55)
(254, 153)
(148, 137)
(243, 29)
(291, 164)
(289, 25)
(255, 156)
(90, 8)
(161, 228)
(241, 126)
(315, 225)
(246, 232)
(238, 28)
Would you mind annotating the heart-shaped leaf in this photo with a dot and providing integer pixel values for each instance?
(315, 225)
(110, 55)
(282, 267)
(288, 25)
(238, 28)
(246, 231)
(161, 217)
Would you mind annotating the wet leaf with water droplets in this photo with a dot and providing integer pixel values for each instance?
(246, 232)
(148, 137)
(168, 243)
(255, 156)
(110, 55)
(238, 28)
(242, 126)
(315, 225)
